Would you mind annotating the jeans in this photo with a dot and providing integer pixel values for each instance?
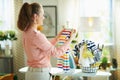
(38, 74)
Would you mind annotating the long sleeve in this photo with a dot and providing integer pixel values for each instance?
(39, 49)
(43, 43)
(53, 41)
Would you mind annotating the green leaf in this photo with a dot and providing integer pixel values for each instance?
(104, 60)
(76, 35)
(10, 34)
(74, 41)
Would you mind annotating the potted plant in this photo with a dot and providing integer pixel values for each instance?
(104, 60)
(6, 37)
(104, 63)
(11, 35)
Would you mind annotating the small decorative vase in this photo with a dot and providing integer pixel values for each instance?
(7, 50)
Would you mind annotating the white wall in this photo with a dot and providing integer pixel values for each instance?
(117, 33)
(43, 2)
(117, 22)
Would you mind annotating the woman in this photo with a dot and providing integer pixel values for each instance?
(37, 47)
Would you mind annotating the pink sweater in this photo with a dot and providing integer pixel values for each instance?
(38, 49)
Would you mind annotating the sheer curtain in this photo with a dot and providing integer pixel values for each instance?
(117, 33)
(6, 14)
(68, 12)
(103, 10)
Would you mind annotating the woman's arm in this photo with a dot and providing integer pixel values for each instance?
(44, 44)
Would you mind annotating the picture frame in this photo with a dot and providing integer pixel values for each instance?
(50, 21)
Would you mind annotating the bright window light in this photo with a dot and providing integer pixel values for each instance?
(6, 14)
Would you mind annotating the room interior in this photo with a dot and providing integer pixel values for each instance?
(95, 20)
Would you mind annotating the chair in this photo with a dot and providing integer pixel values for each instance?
(7, 77)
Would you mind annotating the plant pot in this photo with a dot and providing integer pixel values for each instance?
(7, 50)
(104, 66)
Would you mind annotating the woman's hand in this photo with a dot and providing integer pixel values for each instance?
(72, 35)
(58, 35)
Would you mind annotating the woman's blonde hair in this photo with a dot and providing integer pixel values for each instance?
(26, 13)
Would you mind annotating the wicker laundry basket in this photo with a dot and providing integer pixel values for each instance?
(89, 69)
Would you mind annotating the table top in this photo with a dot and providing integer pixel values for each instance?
(72, 72)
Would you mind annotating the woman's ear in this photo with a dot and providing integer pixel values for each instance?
(35, 17)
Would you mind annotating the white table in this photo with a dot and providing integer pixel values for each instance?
(76, 72)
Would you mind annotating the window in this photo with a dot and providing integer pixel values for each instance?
(6, 18)
(6, 14)
(103, 10)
